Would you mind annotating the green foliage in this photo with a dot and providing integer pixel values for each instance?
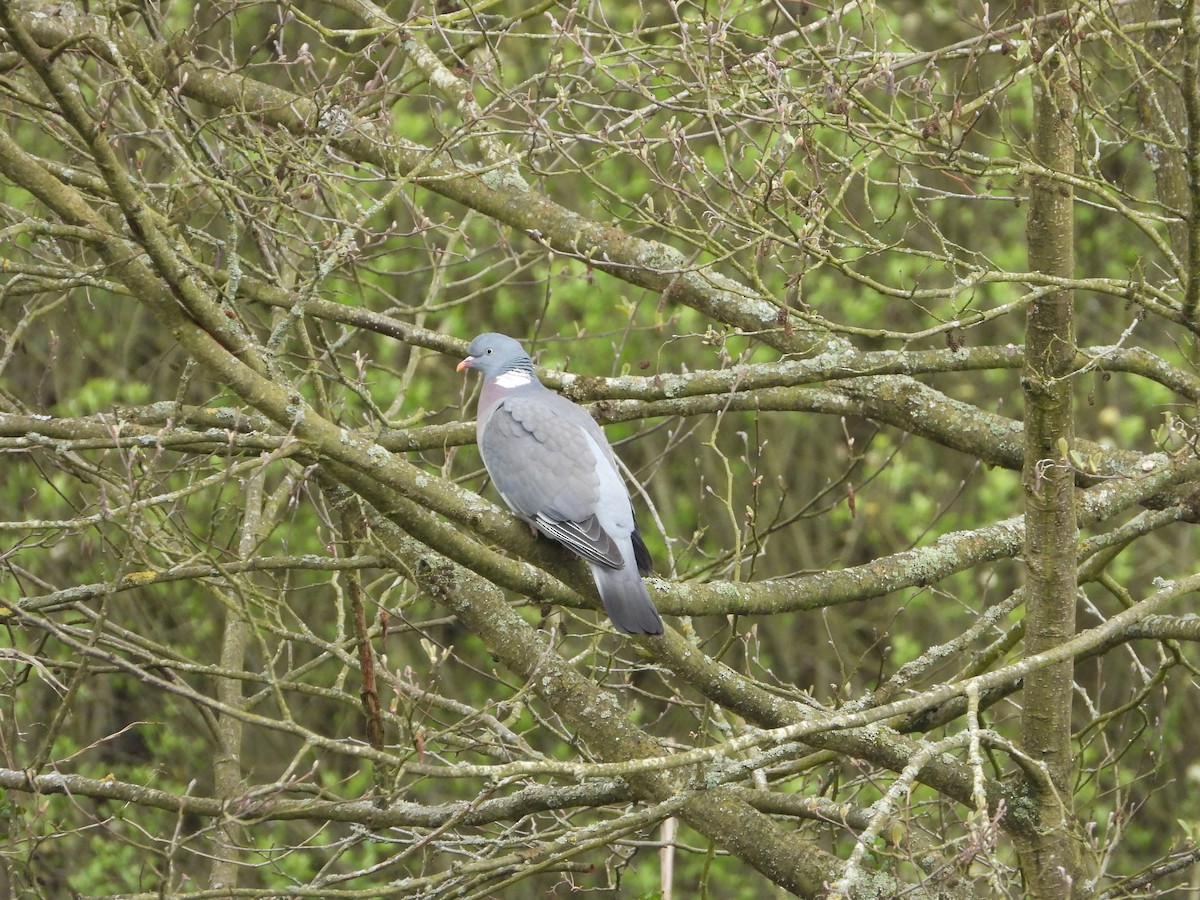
(101, 394)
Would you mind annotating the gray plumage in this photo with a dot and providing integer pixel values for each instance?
(554, 468)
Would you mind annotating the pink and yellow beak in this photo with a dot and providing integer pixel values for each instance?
(465, 364)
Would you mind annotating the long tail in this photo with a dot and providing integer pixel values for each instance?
(626, 600)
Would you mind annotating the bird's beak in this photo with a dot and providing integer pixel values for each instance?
(465, 364)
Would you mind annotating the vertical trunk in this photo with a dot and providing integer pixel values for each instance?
(1169, 114)
(1051, 861)
(227, 767)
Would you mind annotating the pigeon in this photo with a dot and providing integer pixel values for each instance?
(555, 469)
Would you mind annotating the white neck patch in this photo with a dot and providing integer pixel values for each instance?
(513, 379)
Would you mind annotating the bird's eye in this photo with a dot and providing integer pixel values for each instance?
(488, 351)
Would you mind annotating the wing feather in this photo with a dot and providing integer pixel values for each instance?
(586, 538)
(543, 461)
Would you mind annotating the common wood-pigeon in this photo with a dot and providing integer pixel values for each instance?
(554, 468)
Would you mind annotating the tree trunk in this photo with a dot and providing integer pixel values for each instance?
(1050, 860)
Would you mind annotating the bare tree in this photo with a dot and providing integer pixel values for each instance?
(891, 312)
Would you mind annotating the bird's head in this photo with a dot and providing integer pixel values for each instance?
(494, 354)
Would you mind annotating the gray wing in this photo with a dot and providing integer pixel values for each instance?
(537, 452)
